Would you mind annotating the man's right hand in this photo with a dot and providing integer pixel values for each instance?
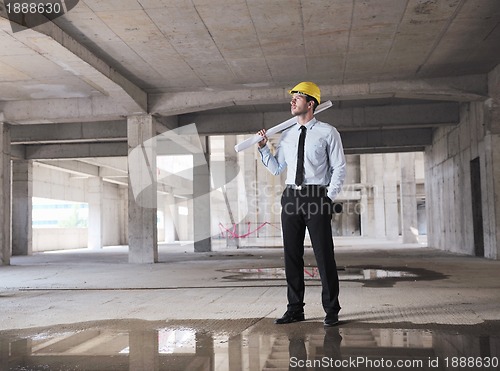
(262, 133)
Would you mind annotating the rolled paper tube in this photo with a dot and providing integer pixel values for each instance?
(276, 129)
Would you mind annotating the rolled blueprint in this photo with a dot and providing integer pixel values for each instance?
(276, 129)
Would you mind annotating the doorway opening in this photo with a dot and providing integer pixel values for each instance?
(477, 207)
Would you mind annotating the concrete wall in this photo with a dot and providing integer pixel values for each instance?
(60, 185)
(381, 197)
(115, 215)
(448, 177)
(57, 185)
(50, 239)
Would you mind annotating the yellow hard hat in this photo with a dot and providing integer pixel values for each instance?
(308, 88)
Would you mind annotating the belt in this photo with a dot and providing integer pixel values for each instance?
(305, 186)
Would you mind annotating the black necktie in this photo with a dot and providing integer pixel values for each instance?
(299, 173)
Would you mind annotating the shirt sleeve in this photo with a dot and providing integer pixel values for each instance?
(337, 165)
(275, 164)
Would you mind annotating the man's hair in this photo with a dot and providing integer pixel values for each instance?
(309, 98)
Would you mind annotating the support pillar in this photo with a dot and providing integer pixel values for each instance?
(170, 218)
(201, 200)
(492, 168)
(408, 189)
(205, 350)
(144, 350)
(123, 216)
(254, 351)
(235, 353)
(22, 204)
(249, 164)
(364, 213)
(366, 208)
(268, 191)
(391, 197)
(379, 218)
(96, 208)
(231, 187)
(142, 190)
(5, 192)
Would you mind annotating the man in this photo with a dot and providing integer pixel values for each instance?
(313, 155)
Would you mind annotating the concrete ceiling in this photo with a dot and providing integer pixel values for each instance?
(227, 64)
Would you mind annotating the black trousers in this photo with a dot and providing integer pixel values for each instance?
(309, 208)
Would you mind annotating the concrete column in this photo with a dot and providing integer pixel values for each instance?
(95, 193)
(379, 219)
(261, 198)
(5, 192)
(363, 210)
(205, 349)
(391, 196)
(492, 173)
(170, 218)
(408, 189)
(248, 165)
(161, 210)
(235, 353)
(142, 190)
(247, 190)
(254, 352)
(231, 186)
(350, 220)
(22, 193)
(269, 189)
(492, 249)
(201, 201)
(366, 208)
(144, 351)
(123, 216)
(5, 353)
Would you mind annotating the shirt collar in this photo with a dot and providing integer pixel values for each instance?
(309, 125)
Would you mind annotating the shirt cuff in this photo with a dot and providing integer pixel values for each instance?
(264, 150)
(332, 195)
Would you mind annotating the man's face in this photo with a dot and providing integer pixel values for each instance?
(298, 104)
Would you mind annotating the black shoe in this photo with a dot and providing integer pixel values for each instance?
(290, 317)
(331, 320)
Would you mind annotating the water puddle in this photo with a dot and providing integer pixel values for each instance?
(370, 276)
(263, 346)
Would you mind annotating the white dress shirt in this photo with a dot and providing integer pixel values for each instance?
(324, 161)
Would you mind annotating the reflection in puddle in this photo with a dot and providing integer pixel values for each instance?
(312, 273)
(298, 347)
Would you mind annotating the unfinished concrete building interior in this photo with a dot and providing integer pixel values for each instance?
(134, 237)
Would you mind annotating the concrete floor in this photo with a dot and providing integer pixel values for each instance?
(215, 310)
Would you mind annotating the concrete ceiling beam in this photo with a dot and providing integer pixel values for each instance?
(61, 47)
(168, 104)
(455, 89)
(112, 172)
(55, 45)
(386, 140)
(75, 150)
(371, 117)
(83, 169)
(71, 166)
(56, 110)
(361, 141)
(69, 132)
(115, 164)
(346, 119)
(372, 150)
